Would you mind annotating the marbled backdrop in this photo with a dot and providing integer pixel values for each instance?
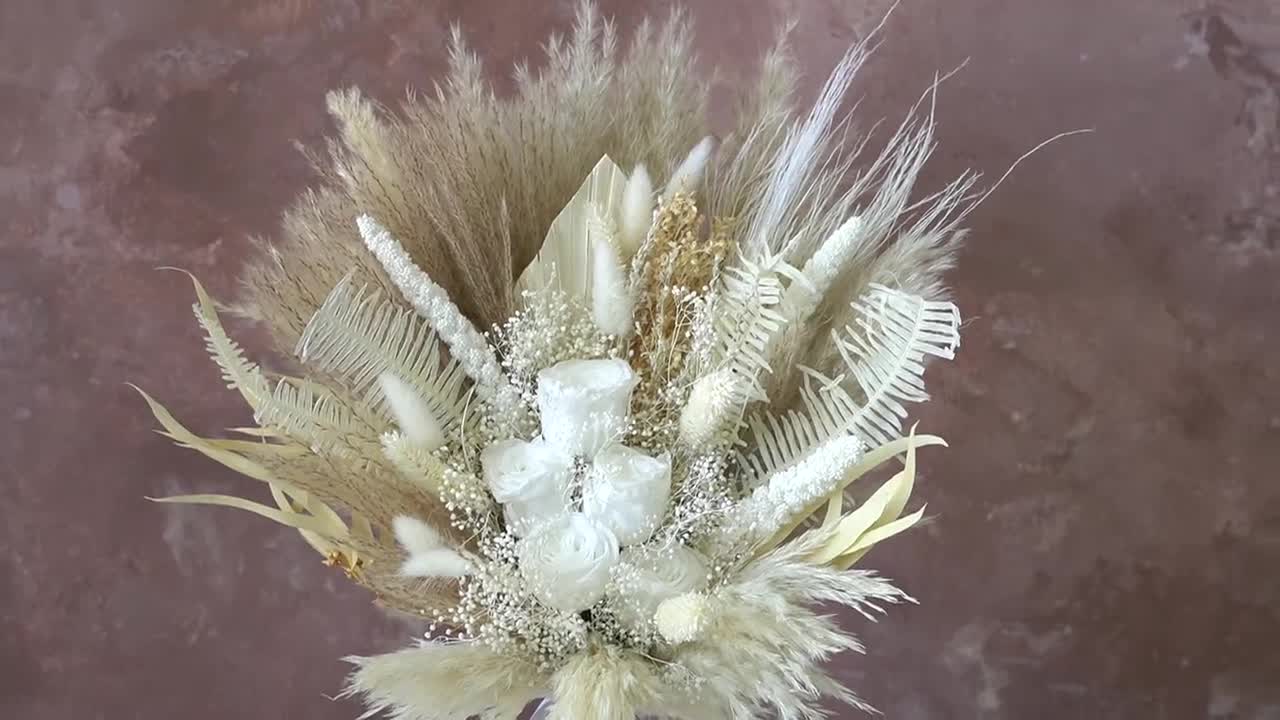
(1108, 533)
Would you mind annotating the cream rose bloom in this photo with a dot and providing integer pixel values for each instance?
(584, 403)
(627, 492)
(568, 562)
(530, 479)
(651, 576)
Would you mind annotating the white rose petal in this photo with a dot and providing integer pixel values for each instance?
(627, 491)
(568, 562)
(649, 576)
(584, 403)
(530, 479)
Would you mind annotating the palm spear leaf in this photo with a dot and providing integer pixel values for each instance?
(564, 262)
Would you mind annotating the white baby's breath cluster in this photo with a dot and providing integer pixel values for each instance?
(614, 477)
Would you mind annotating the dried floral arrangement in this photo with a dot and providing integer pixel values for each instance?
(586, 390)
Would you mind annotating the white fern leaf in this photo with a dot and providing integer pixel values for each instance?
(299, 409)
(361, 336)
(885, 355)
(745, 318)
(565, 260)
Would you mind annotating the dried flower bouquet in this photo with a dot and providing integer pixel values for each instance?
(585, 389)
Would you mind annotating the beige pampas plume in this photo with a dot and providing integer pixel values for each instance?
(636, 213)
(413, 416)
(686, 177)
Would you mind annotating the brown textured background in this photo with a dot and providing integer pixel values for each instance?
(1108, 541)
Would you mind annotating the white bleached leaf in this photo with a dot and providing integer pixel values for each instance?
(358, 335)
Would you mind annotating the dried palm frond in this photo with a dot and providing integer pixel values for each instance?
(885, 355)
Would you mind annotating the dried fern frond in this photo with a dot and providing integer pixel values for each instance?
(746, 317)
(885, 355)
(317, 416)
(359, 336)
(237, 371)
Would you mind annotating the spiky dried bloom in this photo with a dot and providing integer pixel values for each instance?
(584, 390)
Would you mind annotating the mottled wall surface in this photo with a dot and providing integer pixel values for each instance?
(1108, 535)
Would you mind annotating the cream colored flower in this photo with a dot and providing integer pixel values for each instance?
(530, 479)
(568, 562)
(650, 576)
(683, 618)
(627, 491)
(584, 403)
